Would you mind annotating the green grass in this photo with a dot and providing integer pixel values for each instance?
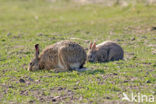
(24, 23)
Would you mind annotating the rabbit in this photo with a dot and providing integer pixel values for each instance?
(106, 51)
(61, 56)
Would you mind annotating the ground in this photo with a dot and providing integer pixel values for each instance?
(24, 23)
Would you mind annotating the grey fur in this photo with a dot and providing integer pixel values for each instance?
(106, 51)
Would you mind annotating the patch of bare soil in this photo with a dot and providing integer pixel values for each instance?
(138, 29)
(63, 95)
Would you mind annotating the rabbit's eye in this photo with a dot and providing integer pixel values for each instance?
(31, 63)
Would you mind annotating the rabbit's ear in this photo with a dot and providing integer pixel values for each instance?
(94, 45)
(90, 45)
(37, 51)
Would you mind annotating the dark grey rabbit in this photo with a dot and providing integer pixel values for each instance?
(106, 51)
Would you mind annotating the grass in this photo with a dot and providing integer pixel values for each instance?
(24, 23)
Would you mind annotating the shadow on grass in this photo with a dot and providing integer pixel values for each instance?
(93, 72)
(97, 71)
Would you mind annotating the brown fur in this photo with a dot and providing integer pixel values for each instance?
(106, 51)
(61, 56)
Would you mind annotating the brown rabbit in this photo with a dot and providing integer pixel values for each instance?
(106, 51)
(61, 56)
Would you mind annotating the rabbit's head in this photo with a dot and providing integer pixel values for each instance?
(34, 64)
(91, 56)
